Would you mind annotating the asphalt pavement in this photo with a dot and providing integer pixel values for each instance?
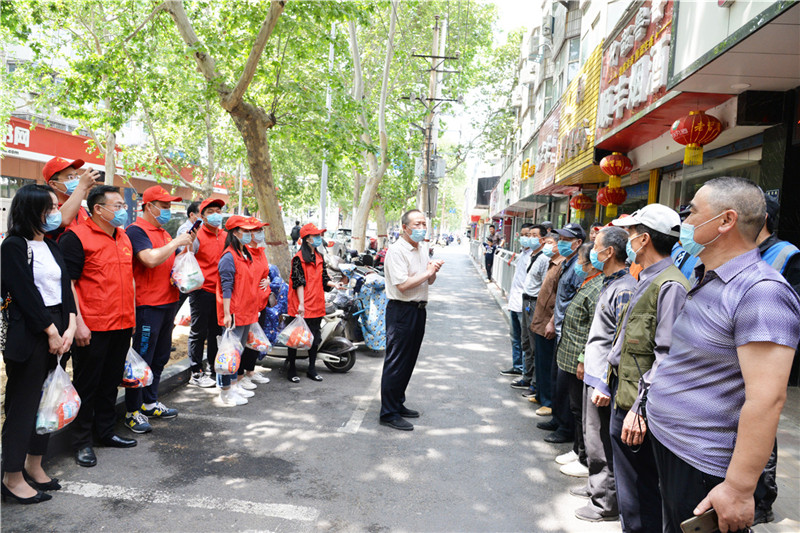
(312, 456)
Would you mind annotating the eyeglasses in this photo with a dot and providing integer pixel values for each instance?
(116, 207)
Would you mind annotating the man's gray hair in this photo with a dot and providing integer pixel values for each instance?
(617, 239)
(744, 197)
(404, 219)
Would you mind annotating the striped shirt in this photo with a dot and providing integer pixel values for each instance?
(694, 402)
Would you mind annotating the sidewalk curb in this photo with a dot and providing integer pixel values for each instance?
(495, 292)
(174, 375)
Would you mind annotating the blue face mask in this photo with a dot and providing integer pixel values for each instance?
(70, 186)
(418, 235)
(214, 219)
(565, 248)
(579, 271)
(316, 242)
(687, 237)
(164, 216)
(533, 242)
(630, 251)
(52, 222)
(525, 242)
(120, 217)
(548, 250)
(596, 261)
(246, 238)
(258, 236)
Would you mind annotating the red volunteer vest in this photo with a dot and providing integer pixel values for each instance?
(153, 285)
(313, 293)
(105, 288)
(244, 301)
(262, 271)
(208, 254)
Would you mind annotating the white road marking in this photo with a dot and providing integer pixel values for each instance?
(360, 412)
(274, 510)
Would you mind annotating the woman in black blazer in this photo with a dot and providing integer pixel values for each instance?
(41, 325)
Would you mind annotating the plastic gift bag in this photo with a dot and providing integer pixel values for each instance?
(186, 273)
(59, 404)
(137, 373)
(296, 335)
(229, 353)
(257, 340)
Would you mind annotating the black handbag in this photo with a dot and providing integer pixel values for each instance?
(4, 309)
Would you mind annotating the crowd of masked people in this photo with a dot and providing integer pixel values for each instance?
(79, 281)
(660, 347)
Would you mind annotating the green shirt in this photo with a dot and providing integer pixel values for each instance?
(577, 322)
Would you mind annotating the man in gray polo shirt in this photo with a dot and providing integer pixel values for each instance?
(713, 410)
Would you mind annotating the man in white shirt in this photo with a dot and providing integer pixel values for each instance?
(408, 273)
(537, 268)
(515, 305)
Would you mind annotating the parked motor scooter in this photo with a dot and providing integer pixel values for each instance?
(335, 350)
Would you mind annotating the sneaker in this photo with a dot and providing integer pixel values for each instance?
(520, 384)
(529, 394)
(137, 422)
(258, 377)
(580, 492)
(199, 379)
(511, 372)
(543, 411)
(160, 411)
(246, 383)
(590, 514)
(566, 458)
(575, 469)
(229, 397)
(244, 393)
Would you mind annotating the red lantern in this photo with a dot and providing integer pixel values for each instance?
(616, 164)
(695, 130)
(610, 198)
(580, 202)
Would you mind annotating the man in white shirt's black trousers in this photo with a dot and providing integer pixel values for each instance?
(408, 272)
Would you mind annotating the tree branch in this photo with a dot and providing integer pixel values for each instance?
(156, 11)
(205, 63)
(235, 97)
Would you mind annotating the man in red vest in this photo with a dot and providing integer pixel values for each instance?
(71, 189)
(156, 302)
(208, 249)
(99, 259)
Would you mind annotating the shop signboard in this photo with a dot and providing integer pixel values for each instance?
(635, 66)
(547, 151)
(40, 143)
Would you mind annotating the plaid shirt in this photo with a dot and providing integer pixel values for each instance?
(623, 297)
(577, 321)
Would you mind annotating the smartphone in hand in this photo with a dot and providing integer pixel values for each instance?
(705, 523)
(195, 226)
(102, 177)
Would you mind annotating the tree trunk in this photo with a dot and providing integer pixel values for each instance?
(111, 159)
(253, 123)
(380, 219)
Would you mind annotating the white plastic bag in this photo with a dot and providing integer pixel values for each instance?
(137, 373)
(229, 353)
(256, 339)
(186, 273)
(59, 404)
(296, 335)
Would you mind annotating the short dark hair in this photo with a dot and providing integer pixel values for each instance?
(492, 226)
(98, 194)
(526, 225)
(28, 209)
(194, 207)
(617, 239)
(597, 225)
(296, 222)
(542, 230)
(583, 252)
(662, 243)
(404, 219)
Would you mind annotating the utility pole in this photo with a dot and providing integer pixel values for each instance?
(323, 189)
(424, 200)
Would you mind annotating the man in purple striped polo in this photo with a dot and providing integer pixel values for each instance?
(714, 406)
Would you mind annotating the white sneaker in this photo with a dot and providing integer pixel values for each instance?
(566, 458)
(258, 377)
(246, 383)
(201, 380)
(244, 393)
(229, 397)
(575, 469)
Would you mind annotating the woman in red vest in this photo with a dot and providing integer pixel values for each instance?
(307, 290)
(236, 306)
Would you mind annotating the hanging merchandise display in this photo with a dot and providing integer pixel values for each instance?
(581, 203)
(695, 130)
(615, 166)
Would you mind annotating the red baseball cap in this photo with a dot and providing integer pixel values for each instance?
(310, 229)
(157, 193)
(238, 221)
(57, 164)
(256, 224)
(219, 202)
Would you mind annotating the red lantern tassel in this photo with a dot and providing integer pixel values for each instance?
(693, 155)
(611, 211)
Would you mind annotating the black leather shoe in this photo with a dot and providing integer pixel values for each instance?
(398, 423)
(557, 438)
(405, 412)
(39, 497)
(314, 376)
(550, 425)
(115, 441)
(53, 484)
(86, 457)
